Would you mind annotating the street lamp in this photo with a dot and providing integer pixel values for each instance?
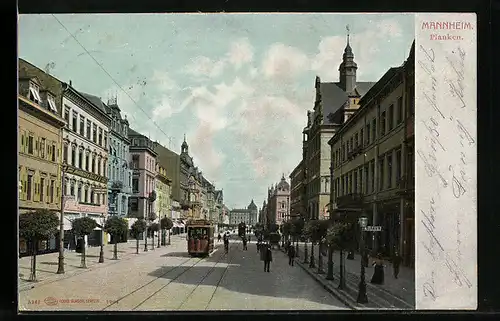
(362, 297)
(60, 266)
(101, 252)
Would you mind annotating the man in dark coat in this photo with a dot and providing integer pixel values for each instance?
(268, 257)
(226, 243)
(291, 254)
(396, 261)
(244, 243)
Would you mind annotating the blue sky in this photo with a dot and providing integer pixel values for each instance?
(238, 85)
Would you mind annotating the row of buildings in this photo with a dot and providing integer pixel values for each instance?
(276, 208)
(358, 156)
(79, 156)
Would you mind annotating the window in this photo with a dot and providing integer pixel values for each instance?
(52, 103)
(372, 177)
(93, 163)
(367, 137)
(105, 145)
(65, 154)
(72, 189)
(135, 185)
(94, 133)
(389, 170)
(411, 101)
(391, 117)
(52, 185)
(54, 153)
(361, 133)
(30, 145)
(34, 94)
(79, 195)
(382, 123)
(374, 130)
(398, 165)
(30, 183)
(42, 148)
(75, 121)
(400, 110)
(66, 115)
(92, 195)
(89, 128)
(134, 204)
(352, 143)
(85, 194)
(104, 167)
(82, 125)
(99, 166)
(98, 201)
(356, 142)
(355, 180)
(381, 177)
(100, 137)
(365, 189)
(135, 161)
(73, 156)
(42, 185)
(80, 158)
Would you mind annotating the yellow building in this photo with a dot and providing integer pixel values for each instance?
(40, 138)
(372, 161)
(163, 191)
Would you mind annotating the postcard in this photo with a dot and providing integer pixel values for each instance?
(247, 161)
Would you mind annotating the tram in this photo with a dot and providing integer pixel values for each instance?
(242, 230)
(200, 237)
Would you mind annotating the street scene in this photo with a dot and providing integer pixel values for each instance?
(216, 162)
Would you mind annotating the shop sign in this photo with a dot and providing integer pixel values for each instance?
(92, 176)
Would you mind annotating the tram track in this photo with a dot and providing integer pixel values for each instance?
(173, 269)
(218, 282)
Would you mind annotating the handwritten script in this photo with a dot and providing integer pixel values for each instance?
(446, 169)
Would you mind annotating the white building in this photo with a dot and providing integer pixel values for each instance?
(85, 154)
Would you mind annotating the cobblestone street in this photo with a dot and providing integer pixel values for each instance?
(168, 279)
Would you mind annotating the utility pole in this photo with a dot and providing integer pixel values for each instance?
(60, 268)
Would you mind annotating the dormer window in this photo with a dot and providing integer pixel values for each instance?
(52, 103)
(34, 93)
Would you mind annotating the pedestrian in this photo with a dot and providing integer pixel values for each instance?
(291, 255)
(396, 261)
(226, 243)
(268, 258)
(258, 246)
(244, 244)
(378, 273)
(219, 237)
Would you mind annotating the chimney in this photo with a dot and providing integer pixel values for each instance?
(71, 85)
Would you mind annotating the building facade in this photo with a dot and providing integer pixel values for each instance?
(372, 163)
(278, 203)
(246, 215)
(40, 161)
(335, 102)
(190, 181)
(143, 164)
(297, 192)
(85, 155)
(119, 171)
(163, 190)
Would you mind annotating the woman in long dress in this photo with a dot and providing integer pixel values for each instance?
(378, 273)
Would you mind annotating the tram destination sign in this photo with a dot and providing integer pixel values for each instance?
(76, 171)
(373, 228)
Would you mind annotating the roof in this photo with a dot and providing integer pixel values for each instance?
(333, 96)
(96, 101)
(132, 132)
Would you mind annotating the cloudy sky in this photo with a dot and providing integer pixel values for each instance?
(238, 85)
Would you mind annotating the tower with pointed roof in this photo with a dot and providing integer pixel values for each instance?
(348, 68)
(184, 146)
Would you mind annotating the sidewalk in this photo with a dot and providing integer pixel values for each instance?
(393, 294)
(47, 264)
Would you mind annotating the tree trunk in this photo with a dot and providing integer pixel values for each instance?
(296, 247)
(311, 264)
(137, 245)
(342, 277)
(145, 240)
(320, 260)
(115, 251)
(169, 232)
(306, 256)
(83, 263)
(153, 239)
(33, 261)
(329, 275)
(160, 232)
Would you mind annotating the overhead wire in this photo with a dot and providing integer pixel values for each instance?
(169, 138)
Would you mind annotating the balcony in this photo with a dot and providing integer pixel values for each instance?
(350, 200)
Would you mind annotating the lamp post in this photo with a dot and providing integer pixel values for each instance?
(362, 297)
(101, 252)
(60, 266)
(148, 202)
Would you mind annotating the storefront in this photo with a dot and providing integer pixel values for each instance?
(50, 245)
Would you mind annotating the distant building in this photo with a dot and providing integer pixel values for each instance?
(278, 203)
(191, 180)
(143, 164)
(246, 215)
(335, 102)
(297, 192)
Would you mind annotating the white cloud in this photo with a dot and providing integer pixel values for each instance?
(240, 53)
(163, 81)
(204, 66)
(282, 62)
